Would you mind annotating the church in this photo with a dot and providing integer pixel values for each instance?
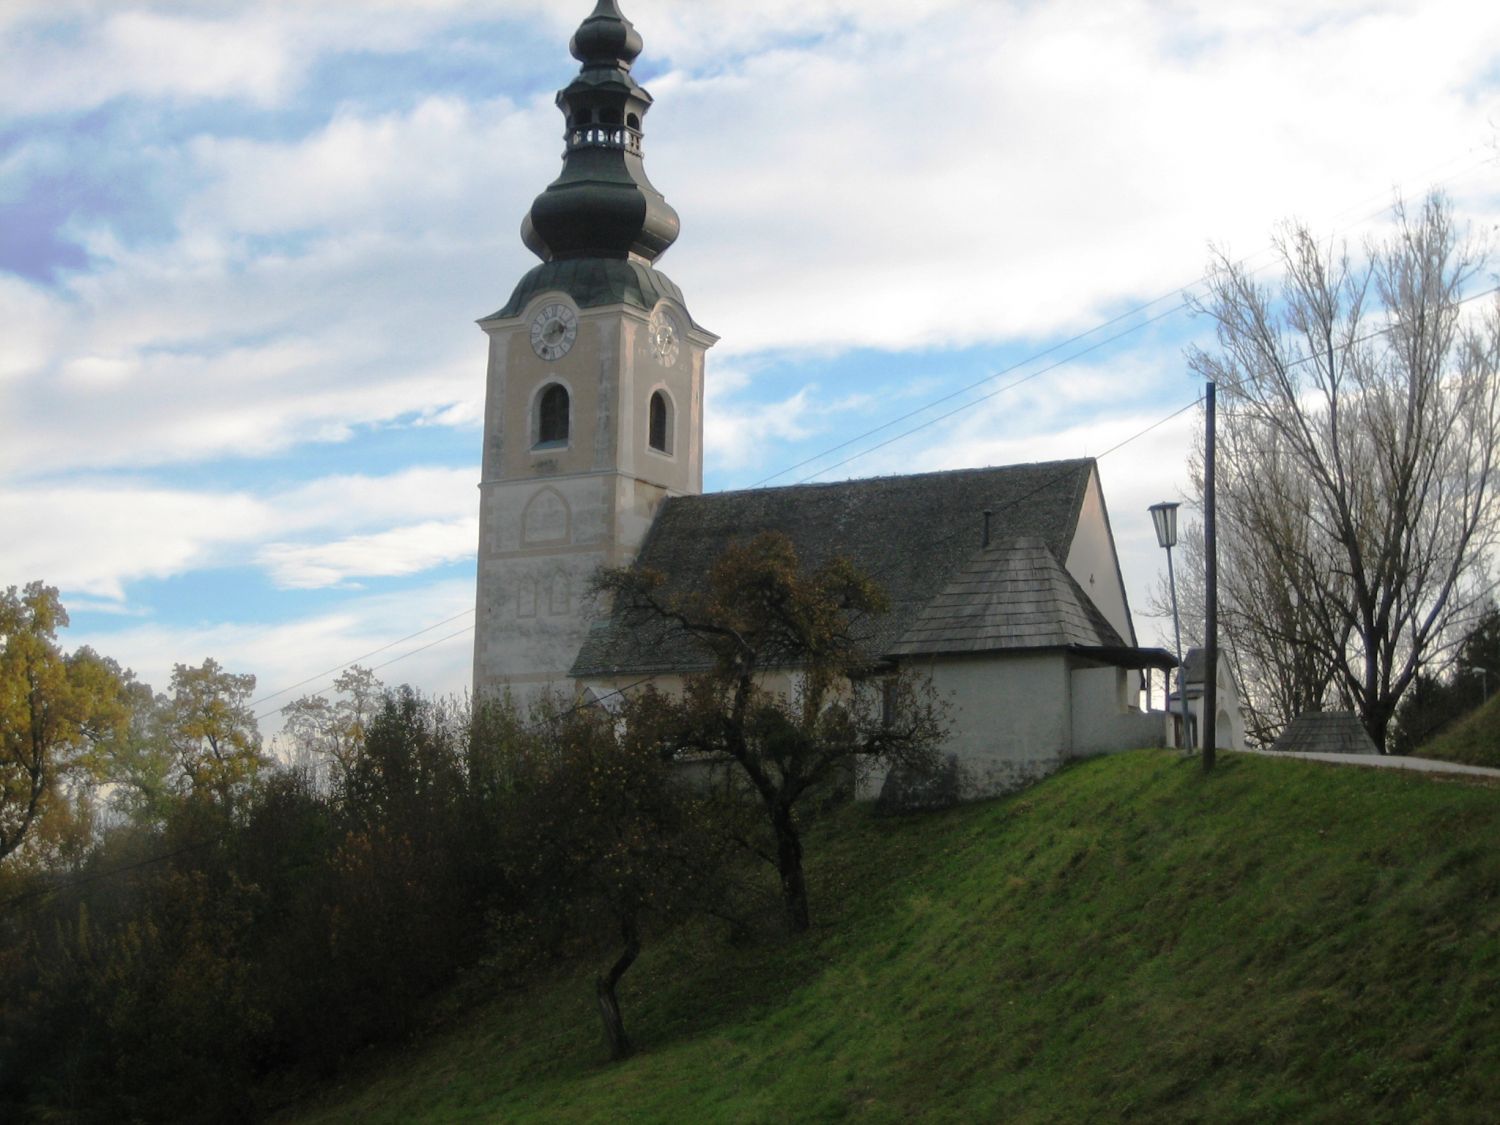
(1004, 582)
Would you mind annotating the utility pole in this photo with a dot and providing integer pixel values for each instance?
(1211, 591)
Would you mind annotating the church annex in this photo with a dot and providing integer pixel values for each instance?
(1004, 582)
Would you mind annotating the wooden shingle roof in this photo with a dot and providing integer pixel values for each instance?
(1325, 732)
(1011, 596)
(913, 534)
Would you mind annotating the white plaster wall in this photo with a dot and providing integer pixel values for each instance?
(551, 517)
(533, 605)
(1230, 729)
(1104, 720)
(1009, 716)
(1093, 563)
(1013, 719)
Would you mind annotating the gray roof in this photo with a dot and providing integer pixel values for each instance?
(1013, 595)
(1325, 732)
(592, 282)
(1192, 666)
(915, 535)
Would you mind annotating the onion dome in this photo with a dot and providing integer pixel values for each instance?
(606, 38)
(602, 205)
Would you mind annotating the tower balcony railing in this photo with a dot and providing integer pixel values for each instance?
(620, 137)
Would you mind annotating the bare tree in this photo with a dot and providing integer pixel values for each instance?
(1261, 630)
(1356, 470)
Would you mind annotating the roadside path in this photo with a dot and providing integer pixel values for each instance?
(1380, 761)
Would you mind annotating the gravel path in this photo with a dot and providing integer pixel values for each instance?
(1381, 761)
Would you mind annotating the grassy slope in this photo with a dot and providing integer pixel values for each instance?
(1277, 941)
(1474, 739)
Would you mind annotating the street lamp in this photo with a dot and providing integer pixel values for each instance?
(1164, 518)
(1484, 675)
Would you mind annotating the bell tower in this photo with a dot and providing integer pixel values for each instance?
(594, 393)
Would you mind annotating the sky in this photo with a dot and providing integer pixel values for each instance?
(243, 246)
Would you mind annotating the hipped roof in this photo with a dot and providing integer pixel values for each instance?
(1012, 595)
(1326, 732)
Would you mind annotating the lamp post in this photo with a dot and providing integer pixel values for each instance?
(1164, 518)
(1484, 675)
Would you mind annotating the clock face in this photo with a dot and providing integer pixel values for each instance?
(553, 330)
(664, 336)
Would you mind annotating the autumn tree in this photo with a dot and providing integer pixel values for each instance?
(792, 699)
(329, 733)
(603, 838)
(56, 710)
(206, 725)
(1358, 430)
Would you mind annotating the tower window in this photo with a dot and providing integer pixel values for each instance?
(660, 435)
(552, 416)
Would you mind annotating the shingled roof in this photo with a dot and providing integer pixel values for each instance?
(1013, 595)
(916, 535)
(1325, 732)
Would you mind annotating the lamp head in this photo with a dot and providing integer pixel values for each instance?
(1164, 517)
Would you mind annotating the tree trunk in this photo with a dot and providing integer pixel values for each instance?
(789, 865)
(1378, 725)
(604, 990)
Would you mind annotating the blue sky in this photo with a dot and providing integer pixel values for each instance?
(243, 245)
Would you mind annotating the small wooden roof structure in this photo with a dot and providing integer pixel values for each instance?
(1325, 732)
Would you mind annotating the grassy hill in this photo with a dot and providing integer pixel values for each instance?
(1474, 739)
(1279, 940)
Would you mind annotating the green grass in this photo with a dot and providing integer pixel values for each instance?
(1474, 739)
(1277, 941)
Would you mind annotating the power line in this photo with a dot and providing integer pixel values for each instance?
(376, 668)
(357, 659)
(982, 398)
(1179, 291)
(536, 725)
(1182, 290)
(988, 379)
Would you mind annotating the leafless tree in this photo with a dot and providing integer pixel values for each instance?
(1359, 422)
(1261, 626)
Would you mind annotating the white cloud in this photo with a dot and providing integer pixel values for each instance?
(740, 433)
(1001, 171)
(31, 326)
(421, 169)
(920, 175)
(78, 54)
(871, 173)
(398, 551)
(439, 659)
(95, 538)
(147, 54)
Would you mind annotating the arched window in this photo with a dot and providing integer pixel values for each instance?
(552, 416)
(660, 435)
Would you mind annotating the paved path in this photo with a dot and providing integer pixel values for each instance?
(1380, 761)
